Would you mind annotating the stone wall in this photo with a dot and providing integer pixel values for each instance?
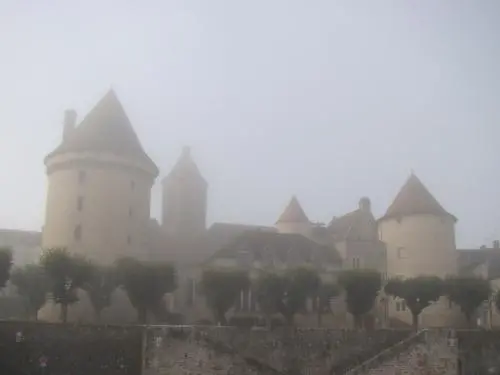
(479, 351)
(189, 350)
(426, 353)
(208, 350)
(66, 349)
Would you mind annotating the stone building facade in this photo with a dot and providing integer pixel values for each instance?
(98, 204)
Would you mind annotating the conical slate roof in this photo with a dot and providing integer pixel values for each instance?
(414, 199)
(186, 168)
(293, 213)
(106, 128)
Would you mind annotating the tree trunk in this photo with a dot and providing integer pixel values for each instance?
(97, 315)
(414, 318)
(220, 317)
(358, 321)
(269, 321)
(289, 320)
(64, 312)
(490, 315)
(142, 315)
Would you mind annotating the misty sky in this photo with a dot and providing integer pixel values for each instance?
(328, 100)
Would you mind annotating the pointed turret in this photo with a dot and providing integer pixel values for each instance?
(100, 179)
(294, 219)
(106, 129)
(186, 168)
(184, 198)
(414, 199)
(293, 213)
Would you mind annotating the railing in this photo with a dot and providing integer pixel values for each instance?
(387, 354)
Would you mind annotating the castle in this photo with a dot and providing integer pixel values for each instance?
(98, 204)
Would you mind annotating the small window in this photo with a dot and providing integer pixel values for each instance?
(130, 212)
(82, 177)
(403, 305)
(132, 185)
(78, 233)
(398, 306)
(129, 240)
(79, 204)
(355, 262)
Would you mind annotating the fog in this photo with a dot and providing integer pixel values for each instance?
(328, 100)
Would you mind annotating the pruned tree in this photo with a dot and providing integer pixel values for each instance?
(326, 291)
(5, 265)
(269, 290)
(32, 284)
(221, 288)
(361, 288)
(417, 292)
(66, 273)
(287, 293)
(496, 299)
(145, 283)
(100, 287)
(469, 293)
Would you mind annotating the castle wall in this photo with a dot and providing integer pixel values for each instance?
(96, 206)
(421, 245)
(295, 227)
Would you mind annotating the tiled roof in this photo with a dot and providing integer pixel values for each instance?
(359, 224)
(106, 128)
(340, 227)
(14, 237)
(198, 250)
(289, 248)
(293, 213)
(468, 259)
(414, 199)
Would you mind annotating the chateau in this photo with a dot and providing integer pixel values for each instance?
(98, 204)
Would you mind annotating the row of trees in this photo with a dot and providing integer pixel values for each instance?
(287, 293)
(59, 275)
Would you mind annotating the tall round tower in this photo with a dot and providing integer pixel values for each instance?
(420, 238)
(99, 186)
(294, 219)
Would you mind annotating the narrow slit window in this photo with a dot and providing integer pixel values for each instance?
(79, 204)
(82, 177)
(78, 233)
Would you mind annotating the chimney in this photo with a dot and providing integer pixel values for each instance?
(365, 204)
(69, 123)
(482, 247)
(496, 244)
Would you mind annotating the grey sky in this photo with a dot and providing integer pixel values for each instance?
(329, 100)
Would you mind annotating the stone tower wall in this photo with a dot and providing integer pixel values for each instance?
(108, 198)
(184, 207)
(300, 228)
(421, 245)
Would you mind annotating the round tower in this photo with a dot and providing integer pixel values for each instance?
(294, 220)
(99, 186)
(420, 238)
